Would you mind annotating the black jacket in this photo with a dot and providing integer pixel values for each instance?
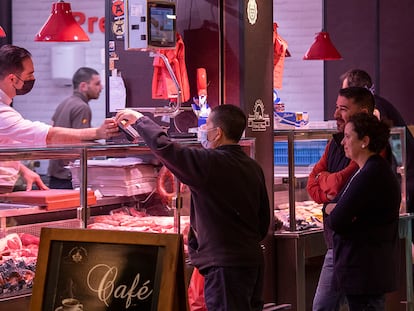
(394, 118)
(365, 224)
(230, 211)
(337, 161)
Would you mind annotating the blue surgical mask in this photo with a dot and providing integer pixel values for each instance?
(203, 136)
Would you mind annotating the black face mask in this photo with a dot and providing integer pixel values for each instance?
(26, 88)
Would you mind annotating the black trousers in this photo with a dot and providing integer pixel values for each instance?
(57, 183)
(233, 288)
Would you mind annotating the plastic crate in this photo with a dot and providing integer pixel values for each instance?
(307, 152)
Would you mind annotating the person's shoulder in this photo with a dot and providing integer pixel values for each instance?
(65, 101)
(382, 103)
(389, 112)
(376, 162)
(4, 107)
(73, 101)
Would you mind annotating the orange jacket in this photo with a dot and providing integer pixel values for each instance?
(322, 183)
(279, 52)
(163, 86)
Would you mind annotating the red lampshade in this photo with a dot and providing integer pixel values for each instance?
(61, 26)
(322, 48)
(2, 33)
(287, 53)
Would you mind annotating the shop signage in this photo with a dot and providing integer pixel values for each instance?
(258, 121)
(93, 23)
(252, 11)
(108, 270)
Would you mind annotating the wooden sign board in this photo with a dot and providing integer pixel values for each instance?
(109, 270)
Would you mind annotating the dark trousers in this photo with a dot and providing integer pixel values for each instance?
(233, 288)
(57, 183)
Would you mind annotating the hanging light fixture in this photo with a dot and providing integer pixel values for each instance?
(322, 48)
(2, 33)
(61, 26)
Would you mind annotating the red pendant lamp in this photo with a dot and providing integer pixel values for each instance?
(322, 48)
(61, 26)
(2, 33)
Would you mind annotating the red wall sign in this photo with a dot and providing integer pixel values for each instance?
(92, 22)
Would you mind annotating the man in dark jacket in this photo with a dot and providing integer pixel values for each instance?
(388, 113)
(229, 213)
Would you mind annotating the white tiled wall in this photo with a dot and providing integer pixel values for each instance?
(41, 102)
(298, 21)
(28, 17)
(302, 89)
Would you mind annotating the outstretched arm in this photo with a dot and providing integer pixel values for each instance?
(107, 130)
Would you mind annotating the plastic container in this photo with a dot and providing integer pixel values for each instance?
(305, 152)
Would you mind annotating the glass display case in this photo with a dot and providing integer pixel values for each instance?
(299, 241)
(298, 238)
(19, 221)
(295, 154)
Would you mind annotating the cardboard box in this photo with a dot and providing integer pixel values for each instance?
(290, 119)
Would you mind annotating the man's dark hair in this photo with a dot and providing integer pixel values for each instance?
(357, 77)
(11, 59)
(83, 74)
(230, 119)
(361, 96)
(368, 125)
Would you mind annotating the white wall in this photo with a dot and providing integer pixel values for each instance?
(28, 17)
(298, 21)
(302, 88)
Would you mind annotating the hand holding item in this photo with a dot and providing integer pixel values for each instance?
(131, 133)
(127, 117)
(108, 129)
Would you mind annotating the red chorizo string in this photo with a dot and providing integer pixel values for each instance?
(166, 181)
(166, 184)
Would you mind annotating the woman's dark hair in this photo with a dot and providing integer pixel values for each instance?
(230, 119)
(368, 125)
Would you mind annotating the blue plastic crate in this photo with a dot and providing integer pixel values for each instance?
(307, 152)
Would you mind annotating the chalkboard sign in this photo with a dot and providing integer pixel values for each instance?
(83, 269)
